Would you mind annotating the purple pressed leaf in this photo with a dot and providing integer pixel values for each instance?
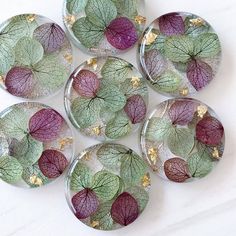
(182, 112)
(85, 203)
(124, 209)
(176, 169)
(135, 109)
(51, 36)
(209, 131)
(121, 33)
(171, 24)
(86, 83)
(199, 74)
(45, 125)
(20, 81)
(155, 63)
(52, 163)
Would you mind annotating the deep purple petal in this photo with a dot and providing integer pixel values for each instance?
(125, 209)
(20, 81)
(51, 36)
(171, 24)
(86, 83)
(52, 163)
(121, 33)
(85, 203)
(136, 109)
(209, 131)
(45, 125)
(199, 74)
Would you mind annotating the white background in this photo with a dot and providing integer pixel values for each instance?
(200, 208)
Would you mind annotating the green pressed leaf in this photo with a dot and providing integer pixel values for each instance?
(100, 12)
(168, 82)
(129, 88)
(199, 165)
(115, 70)
(105, 185)
(113, 98)
(10, 169)
(86, 111)
(132, 170)
(126, 7)
(158, 44)
(103, 216)
(207, 45)
(27, 151)
(140, 195)
(50, 73)
(75, 6)
(28, 51)
(88, 34)
(33, 176)
(119, 127)
(81, 177)
(7, 57)
(181, 141)
(106, 115)
(158, 129)
(4, 147)
(15, 123)
(110, 154)
(18, 27)
(179, 48)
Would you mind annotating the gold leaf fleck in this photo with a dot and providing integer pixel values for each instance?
(30, 18)
(184, 92)
(150, 38)
(93, 63)
(97, 130)
(36, 180)
(201, 110)
(65, 142)
(95, 223)
(153, 155)
(140, 19)
(87, 157)
(146, 180)
(135, 81)
(216, 153)
(197, 22)
(68, 57)
(1, 79)
(70, 20)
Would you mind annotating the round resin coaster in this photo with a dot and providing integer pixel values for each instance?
(106, 98)
(102, 27)
(180, 54)
(107, 186)
(36, 145)
(182, 140)
(35, 56)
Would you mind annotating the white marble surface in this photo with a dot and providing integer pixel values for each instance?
(206, 207)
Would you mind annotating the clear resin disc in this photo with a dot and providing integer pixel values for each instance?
(183, 140)
(35, 56)
(107, 186)
(36, 145)
(104, 27)
(179, 54)
(106, 98)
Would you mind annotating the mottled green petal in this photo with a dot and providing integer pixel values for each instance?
(127, 8)
(7, 57)
(75, 6)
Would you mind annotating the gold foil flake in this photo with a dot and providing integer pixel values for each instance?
(93, 63)
(1, 79)
(150, 38)
(87, 157)
(97, 130)
(216, 153)
(140, 19)
(153, 155)
(135, 81)
(70, 20)
(146, 180)
(201, 110)
(65, 142)
(30, 18)
(69, 58)
(95, 224)
(197, 22)
(184, 92)
(36, 180)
